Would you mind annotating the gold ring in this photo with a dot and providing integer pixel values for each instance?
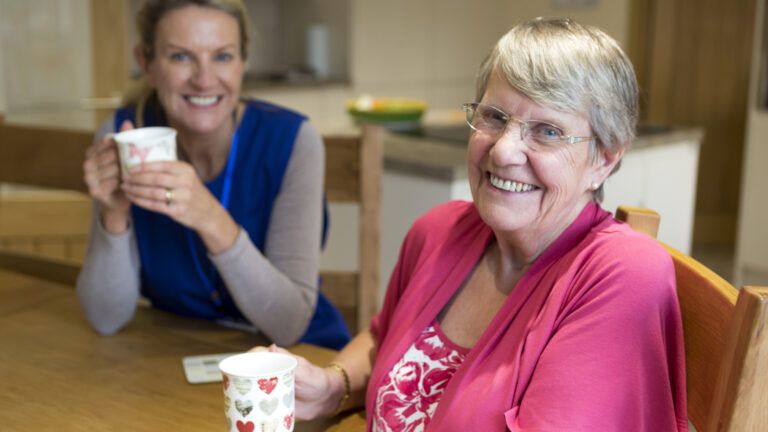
(168, 197)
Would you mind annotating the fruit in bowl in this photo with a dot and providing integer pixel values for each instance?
(386, 110)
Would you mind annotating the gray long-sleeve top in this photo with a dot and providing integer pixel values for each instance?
(276, 291)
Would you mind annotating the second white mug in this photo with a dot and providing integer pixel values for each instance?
(142, 145)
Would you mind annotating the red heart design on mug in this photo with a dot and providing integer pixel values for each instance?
(267, 385)
(287, 421)
(142, 153)
(245, 427)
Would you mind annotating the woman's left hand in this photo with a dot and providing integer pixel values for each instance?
(313, 384)
(174, 189)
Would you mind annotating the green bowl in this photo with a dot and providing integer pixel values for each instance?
(387, 110)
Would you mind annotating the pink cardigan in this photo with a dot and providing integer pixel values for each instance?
(590, 339)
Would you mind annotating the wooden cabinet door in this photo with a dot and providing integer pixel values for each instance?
(694, 61)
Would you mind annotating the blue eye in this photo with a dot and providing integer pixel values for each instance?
(179, 57)
(224, 57)
(545, 132)
(492, 117)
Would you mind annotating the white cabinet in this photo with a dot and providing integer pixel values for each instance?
(661, 176)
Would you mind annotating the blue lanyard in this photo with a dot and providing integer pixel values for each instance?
(226, 190)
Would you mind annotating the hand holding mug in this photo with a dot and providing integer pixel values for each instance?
(313, 385)
(154, 180)
(143, 145)
(102, 176)
(174, 189)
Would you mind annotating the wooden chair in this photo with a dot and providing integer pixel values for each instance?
(726, 343)
(44, 157)
(353, 174)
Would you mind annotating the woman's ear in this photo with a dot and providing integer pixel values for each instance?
(605, 162)
(141, 60)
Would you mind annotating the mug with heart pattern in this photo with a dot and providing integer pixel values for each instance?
(259, 391)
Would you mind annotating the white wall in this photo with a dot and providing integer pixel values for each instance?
(610, 15)
(430, 49)
(425, 49)
(46, 53)
(752, 237)
(663, 178)
(751, 261)
(2, 73)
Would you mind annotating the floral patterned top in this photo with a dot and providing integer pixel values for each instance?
(412, 389)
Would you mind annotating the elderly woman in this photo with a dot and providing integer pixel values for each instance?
(530, 309)
(232, 230)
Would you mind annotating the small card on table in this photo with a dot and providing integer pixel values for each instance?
(202, 369)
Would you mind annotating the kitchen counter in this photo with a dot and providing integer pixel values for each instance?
(426, 156)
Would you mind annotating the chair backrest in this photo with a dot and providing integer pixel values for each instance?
(726, 346)
(353, 174)
(46, 157)
(43, 157)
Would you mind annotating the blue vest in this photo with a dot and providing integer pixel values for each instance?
(176, 274)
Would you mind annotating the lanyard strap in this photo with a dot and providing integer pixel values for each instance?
(209, 281)
(225, 191)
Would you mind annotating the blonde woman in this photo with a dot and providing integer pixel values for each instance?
(232, 230)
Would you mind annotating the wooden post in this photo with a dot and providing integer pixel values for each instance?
(371, 164)
(111, 50)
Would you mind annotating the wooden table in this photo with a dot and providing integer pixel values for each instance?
(56, 373)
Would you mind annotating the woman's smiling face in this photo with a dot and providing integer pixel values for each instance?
(526, 189)
(197, 68)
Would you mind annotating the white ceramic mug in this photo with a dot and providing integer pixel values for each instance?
(148, 144)
(259, 391)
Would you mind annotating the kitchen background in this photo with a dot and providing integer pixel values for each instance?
(430, 49)
(698, 62)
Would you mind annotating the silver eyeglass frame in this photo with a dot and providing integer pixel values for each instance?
(471, 108)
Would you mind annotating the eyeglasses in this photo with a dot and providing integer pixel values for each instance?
(493, 121)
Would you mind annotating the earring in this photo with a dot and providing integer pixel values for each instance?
(595, 186)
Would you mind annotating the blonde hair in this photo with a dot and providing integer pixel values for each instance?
(570, 67)
(152, 11)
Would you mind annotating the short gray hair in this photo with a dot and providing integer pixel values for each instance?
(570, 67)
